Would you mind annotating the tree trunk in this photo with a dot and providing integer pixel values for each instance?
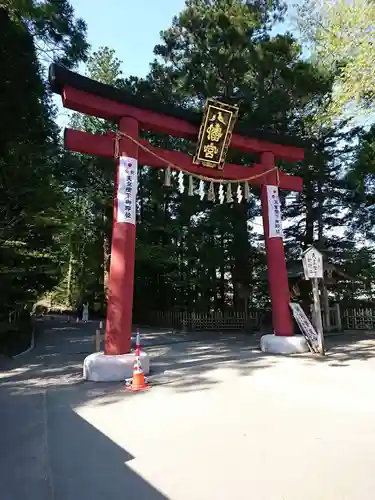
(327, 316)
(320, 212)
(222, 274)
(141, 196)
(309, 230)
(241, 271)
(68, 299)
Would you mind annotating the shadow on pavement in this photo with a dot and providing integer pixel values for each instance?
(182, 361)
(51, 453)
(343, 349)
(86, 464)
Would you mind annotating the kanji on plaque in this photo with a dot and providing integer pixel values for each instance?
(313, 263)
(274, 213)
(307, 329)
(127, 190)
(215, 134)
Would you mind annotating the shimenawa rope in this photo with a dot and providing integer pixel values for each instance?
(179, 169)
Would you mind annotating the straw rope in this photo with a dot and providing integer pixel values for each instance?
(179, 169)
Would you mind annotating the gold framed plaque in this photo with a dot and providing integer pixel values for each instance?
(215, 133)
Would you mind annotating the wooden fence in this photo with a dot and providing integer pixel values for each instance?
(205, 321)
(253, 321)
(358, 319)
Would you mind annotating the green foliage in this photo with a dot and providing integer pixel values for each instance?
(56, 208)
(31, 195)
(57, 35)
(224, 49)
(27, 209)
(361, 182)
(192, 254)
(16, 336)
(89, 185)
(341, 34)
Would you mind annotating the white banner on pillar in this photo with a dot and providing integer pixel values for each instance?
(274, 213)
(127, 189)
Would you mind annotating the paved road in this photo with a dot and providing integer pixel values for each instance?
(226, 422)
(48, 451)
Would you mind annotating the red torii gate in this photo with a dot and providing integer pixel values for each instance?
(87, 96)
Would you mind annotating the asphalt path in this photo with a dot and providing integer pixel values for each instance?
(49, 452)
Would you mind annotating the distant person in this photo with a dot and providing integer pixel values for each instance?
(85, 312)
(266, 322)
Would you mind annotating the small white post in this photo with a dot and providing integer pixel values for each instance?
(318, 314)
(97, 340)
(312, 261)
(338, 314)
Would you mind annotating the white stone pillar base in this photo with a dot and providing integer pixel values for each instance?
(283, 345)
(99, 367)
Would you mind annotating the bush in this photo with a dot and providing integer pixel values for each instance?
(15, 337)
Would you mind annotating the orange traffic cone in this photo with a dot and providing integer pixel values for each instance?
(138, 382)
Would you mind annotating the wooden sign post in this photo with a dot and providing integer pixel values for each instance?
(312, 261)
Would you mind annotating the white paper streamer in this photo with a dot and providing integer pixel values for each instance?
(221, 194)
(191, 186)
(201, 190)
(246, 191)
(229, 193)
(211, 192)
(181, 186)
(167, 177)
(239, 193)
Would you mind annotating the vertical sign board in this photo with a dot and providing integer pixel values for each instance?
(312, 261)
(313, 268)
(127, 190)
(215, 134)
(308, 331)
(275, 229)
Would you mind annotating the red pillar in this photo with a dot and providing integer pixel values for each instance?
(121, 274)
(277, 271)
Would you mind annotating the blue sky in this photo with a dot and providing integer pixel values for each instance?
(130, 27)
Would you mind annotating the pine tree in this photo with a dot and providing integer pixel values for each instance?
(223, 49)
